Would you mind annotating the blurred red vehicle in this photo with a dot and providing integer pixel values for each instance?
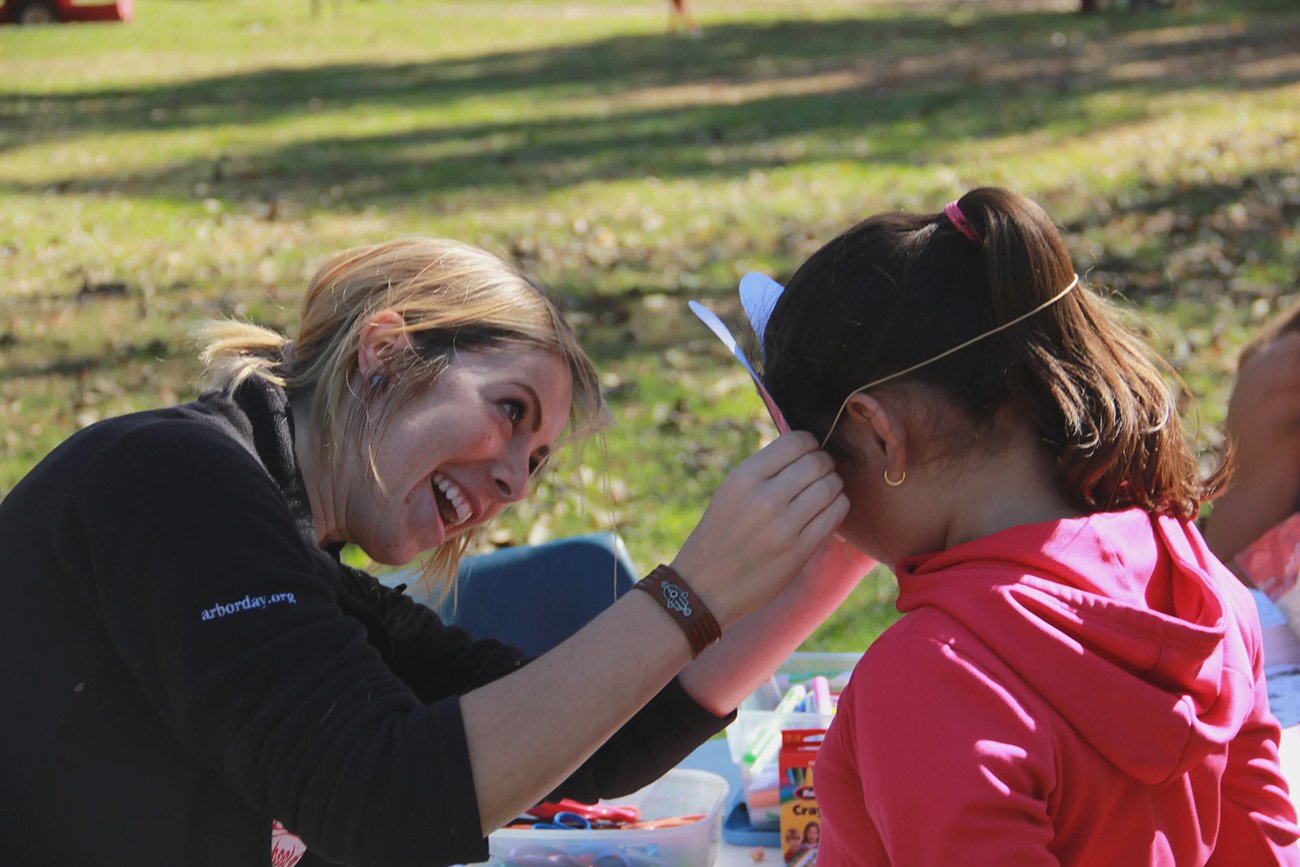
(55, 11)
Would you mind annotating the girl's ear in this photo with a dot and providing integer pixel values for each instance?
(876, 434)
(383, 338)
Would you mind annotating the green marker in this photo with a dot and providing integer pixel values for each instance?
(764, 736)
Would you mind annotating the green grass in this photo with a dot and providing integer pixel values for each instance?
(203, 159)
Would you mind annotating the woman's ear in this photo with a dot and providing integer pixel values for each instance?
(383, 338)
(876, 433)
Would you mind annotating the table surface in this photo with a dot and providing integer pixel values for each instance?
(745, 856)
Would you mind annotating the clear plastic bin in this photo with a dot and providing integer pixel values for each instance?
(757, 721)
(680, 792)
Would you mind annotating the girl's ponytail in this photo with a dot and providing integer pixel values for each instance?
(1096, 392)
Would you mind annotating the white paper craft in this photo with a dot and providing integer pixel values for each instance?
(758, 295)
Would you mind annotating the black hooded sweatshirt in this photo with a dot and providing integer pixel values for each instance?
(182, 664)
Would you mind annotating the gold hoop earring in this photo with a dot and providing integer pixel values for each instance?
(891, 482)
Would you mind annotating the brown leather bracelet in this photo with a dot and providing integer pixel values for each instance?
(682, 604)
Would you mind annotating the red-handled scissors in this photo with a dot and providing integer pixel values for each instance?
(614, 813)
(669, 822)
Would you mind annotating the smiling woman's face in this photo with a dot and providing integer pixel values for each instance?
(452, 458)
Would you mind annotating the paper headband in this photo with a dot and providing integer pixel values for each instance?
(758, 296)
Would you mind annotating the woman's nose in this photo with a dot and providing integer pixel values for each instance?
(511, 479)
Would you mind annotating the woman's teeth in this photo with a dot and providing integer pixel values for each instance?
(455, 496)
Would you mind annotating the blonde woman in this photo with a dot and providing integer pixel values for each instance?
(192, 674)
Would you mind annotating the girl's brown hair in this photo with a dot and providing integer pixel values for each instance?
(901, 288)
(451, 296)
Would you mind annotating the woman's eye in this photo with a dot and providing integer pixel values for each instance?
(514, 410)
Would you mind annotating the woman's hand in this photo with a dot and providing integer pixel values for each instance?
(770, 515)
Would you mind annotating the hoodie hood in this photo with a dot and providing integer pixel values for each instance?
(1139, 635)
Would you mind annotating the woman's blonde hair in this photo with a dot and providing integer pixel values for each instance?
(451, 296)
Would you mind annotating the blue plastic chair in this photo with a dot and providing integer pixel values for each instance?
(535, 596)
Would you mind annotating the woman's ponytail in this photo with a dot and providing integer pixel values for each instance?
(232, 351)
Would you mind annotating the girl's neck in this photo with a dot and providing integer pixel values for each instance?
(1015, 486)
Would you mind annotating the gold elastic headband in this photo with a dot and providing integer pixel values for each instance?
(958, 348)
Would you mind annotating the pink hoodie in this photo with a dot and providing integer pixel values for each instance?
(1086, 691)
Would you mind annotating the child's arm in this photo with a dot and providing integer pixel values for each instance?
(752, 649)
(1258, 820)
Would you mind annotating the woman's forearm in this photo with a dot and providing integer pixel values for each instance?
(530, 730)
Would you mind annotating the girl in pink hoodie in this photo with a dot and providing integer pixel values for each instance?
(1075, 679)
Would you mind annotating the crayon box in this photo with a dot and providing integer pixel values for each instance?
(754, 738)
(800, 819)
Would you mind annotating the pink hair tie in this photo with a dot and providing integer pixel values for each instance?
(959, 220)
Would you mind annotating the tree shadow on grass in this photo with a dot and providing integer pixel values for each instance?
(893, 89)
(1196, 237)
(617, 328)
(736, 51)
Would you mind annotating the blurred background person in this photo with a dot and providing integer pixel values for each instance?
(1263, 427)
(681, 18)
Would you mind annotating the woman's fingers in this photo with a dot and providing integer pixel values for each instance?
(811, 518)
(782, 504)
(806, 472)
(779, 454)
(813, 500)
(820, 527)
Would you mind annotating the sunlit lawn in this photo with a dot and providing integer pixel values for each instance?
(203, 159)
